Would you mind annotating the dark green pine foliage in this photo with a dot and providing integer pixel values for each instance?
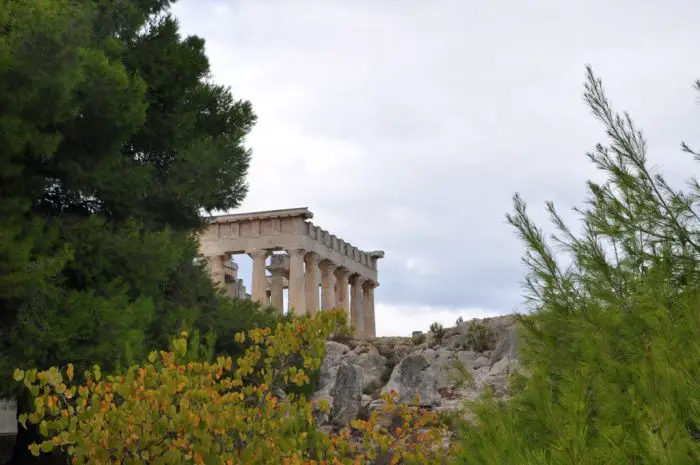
(612, 348)
(113, 141)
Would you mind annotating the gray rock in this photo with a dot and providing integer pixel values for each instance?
(334, 355)
(279, 394)
(507, 340)
(371, 363)
(444, 352)
(429, 370)
(481, 362)
(347, 394)
(412, 376)
(467, 357)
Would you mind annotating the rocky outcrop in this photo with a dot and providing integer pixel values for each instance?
(443, 370)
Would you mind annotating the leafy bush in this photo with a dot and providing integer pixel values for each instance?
(480, 337)
(437, 331)
(175, 411)
(342, 335)
(231, 316)
(418, 338)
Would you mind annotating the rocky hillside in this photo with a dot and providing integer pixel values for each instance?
(355, 373)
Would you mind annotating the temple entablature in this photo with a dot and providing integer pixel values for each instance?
(311, 258)
(283, 230)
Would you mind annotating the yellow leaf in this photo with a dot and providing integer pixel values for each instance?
(70, 372)
(18, 375)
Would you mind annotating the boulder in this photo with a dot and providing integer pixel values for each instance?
(371, 363)
(331, 362)
(346, 394)
(414, 375)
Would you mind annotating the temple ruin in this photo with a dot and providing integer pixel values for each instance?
(300, 257)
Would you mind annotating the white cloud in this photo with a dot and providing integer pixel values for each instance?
(393, 320)
(407, 125)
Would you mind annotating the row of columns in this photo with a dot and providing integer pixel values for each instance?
(307, 272)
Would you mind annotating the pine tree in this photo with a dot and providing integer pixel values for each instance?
(113, 142)
(610, 352)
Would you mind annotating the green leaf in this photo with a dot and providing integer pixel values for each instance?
(43, 428)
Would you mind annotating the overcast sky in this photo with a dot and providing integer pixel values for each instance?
(407, 125)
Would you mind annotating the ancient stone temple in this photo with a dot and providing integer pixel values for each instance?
(300, 257)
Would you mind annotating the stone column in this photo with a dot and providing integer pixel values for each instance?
(368, 307)
(297, 281)
(341, 298)
(240, 290)
(277, 283)
(312, 282)
(328, 300)
(357, 312)
(217, 269)
(232, 277)
(259, 293)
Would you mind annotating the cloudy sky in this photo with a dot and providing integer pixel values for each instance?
(407, 125)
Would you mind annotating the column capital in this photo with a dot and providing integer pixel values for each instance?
(259, 253)
(358, 279)
(298, 252)
(276, 271)
(277, 264)
(342, 271)
(370, 284)
(312, 258)
(328, 266)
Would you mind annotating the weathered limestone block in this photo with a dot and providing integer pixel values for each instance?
(507, 339)
(481, 362)
(331, 361)
(414, 375)
(372, 364)
(327, 376)
(467, 357)
(346, 394)
(496, 376)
